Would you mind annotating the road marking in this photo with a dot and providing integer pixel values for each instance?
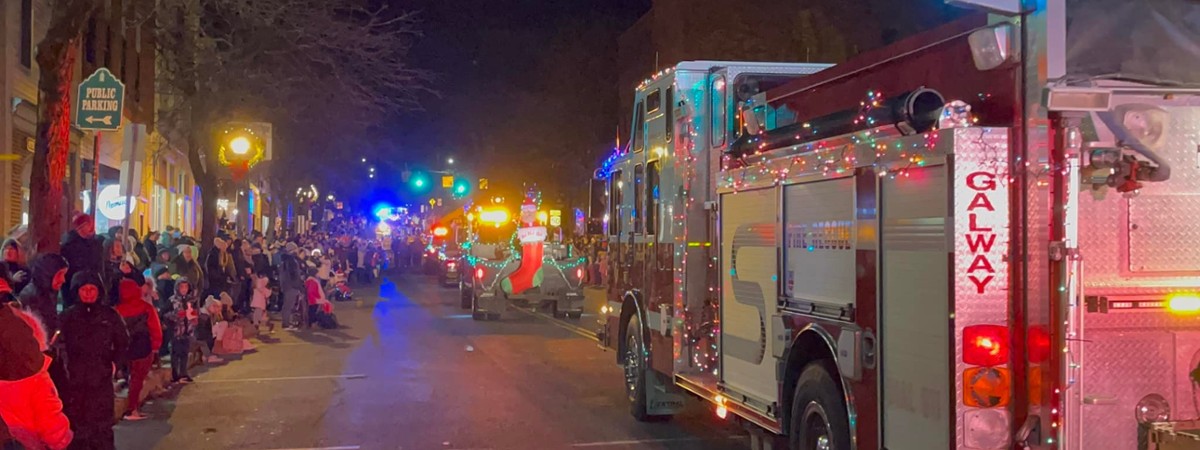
(337, 341)
(344, 447)
(572, 328)
(311, 377)
(648, 441)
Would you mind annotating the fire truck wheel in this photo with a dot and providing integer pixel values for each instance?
(819, 419)
(634, 361)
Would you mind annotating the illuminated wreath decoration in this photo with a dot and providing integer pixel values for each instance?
(240, 149)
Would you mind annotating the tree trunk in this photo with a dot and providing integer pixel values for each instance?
(57, 63)
(198, 143)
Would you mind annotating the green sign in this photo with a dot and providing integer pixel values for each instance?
(99, 102)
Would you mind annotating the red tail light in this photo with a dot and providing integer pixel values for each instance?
(985, 345)
(1039, 344)
(579, 273)
(479, 273)
(450, 265)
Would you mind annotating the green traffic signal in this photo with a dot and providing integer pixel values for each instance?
(419, 181)
(460, 187)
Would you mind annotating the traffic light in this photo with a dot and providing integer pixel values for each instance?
(418, 182)
(461, 187)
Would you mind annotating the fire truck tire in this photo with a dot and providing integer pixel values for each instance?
(635, 372)
(818, 419)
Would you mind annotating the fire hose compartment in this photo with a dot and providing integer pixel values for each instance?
(1161, 243)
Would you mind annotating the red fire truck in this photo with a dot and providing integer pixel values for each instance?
(986, 236)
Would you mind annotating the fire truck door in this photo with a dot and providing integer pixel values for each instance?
(749, 263)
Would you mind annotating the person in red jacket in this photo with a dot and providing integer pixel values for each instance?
(29, 402)
(145, 338)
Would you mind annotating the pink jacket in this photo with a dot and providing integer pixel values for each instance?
(261, 292)
(31, 407)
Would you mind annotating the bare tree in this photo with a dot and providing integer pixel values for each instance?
(331, 65)
(334, 64)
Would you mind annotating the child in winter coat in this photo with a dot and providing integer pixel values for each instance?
(145, 337)
(258, 300)
(316, 292)
(209, 315)
(184, 315)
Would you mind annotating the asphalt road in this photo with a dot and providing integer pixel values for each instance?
(410, 370)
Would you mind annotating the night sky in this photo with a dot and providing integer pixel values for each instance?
(527, 90)
(482, 52)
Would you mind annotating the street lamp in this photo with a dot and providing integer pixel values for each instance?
(450, 161)
(240, 145)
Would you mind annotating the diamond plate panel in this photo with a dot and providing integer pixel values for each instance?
(1119, 368)
(1116, 257)
(1164, 233)
(980, 154)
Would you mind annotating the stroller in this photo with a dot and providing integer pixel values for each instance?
(341, 290)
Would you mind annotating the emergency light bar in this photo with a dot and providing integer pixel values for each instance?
(1175, 303)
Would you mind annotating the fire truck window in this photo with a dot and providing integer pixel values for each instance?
(653, 101)
(639, 196)
(614, 204)
(670, 114)
(718, 112)
(652, 198)
(639, 127)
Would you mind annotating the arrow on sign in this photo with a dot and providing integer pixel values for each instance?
(107, 120)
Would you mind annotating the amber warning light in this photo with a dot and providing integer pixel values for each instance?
(440, 231)
(1180, 303)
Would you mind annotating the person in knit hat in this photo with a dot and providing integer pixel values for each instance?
(209, 315)
(83, 251)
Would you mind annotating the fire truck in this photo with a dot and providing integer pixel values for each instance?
(984, 236)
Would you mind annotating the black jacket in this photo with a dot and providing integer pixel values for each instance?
(81, 255)
(93, 337)
(291, 274)
(151, 248)
(220, 278)
(39, 296)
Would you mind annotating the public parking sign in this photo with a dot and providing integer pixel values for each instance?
(99, 102)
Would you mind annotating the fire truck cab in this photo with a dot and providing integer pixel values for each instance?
(981, 237)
